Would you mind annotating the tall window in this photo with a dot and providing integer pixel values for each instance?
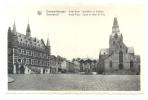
(131, 64)
(22, 51)
(120, 60)
(111, 64)
(27, 60)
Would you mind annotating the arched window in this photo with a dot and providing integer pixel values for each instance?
(131, 64)
(120, 46)
(113, 42)
(120, 57)
(120, 60)
(111, 64)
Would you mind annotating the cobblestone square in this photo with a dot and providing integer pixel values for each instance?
(75, 82)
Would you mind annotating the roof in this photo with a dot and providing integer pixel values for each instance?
(32, 41)
(130, 50)
(104, 51)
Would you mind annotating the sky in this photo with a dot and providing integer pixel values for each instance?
(79, 36)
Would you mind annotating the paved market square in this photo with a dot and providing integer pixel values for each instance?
(74, 82)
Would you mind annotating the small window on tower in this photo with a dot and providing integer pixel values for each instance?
(113, 42)
(116, 35)
(120, 46)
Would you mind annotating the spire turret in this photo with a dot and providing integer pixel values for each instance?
(48, 45)
(14, 27)
(28, 31)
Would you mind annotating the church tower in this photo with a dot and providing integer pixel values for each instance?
(48, 46)
(28, 31)
(116, 39)
(115, 27)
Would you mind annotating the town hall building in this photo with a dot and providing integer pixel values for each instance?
(27, 54)
(118, 58)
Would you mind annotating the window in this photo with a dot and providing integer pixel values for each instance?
(111, 64)
(113, 42)
(33, 53)
(116, 35)
(120, 57)
(22, 51)
(27, 60)
(120, 46)
(29, 52)
(120, 60)
(19, 50)
(131, 64)
(31, 62)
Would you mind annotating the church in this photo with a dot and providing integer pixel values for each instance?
(118, 58)
(27, 54)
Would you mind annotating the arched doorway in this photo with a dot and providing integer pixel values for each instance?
(43, 71)
(120, 60)
(22, 69)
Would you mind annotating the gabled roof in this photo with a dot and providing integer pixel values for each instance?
(32, 41)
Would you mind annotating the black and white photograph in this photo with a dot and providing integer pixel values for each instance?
(75, 48)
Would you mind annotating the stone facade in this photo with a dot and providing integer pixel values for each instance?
(118, 58)
(27, 54)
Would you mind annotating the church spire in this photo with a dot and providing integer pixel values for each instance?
(48, 42)
(48, 45)
(115, 28)
(14, 27)
(115, 23)
(28, 31)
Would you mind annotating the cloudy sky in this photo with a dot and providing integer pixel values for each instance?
(79, 36)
